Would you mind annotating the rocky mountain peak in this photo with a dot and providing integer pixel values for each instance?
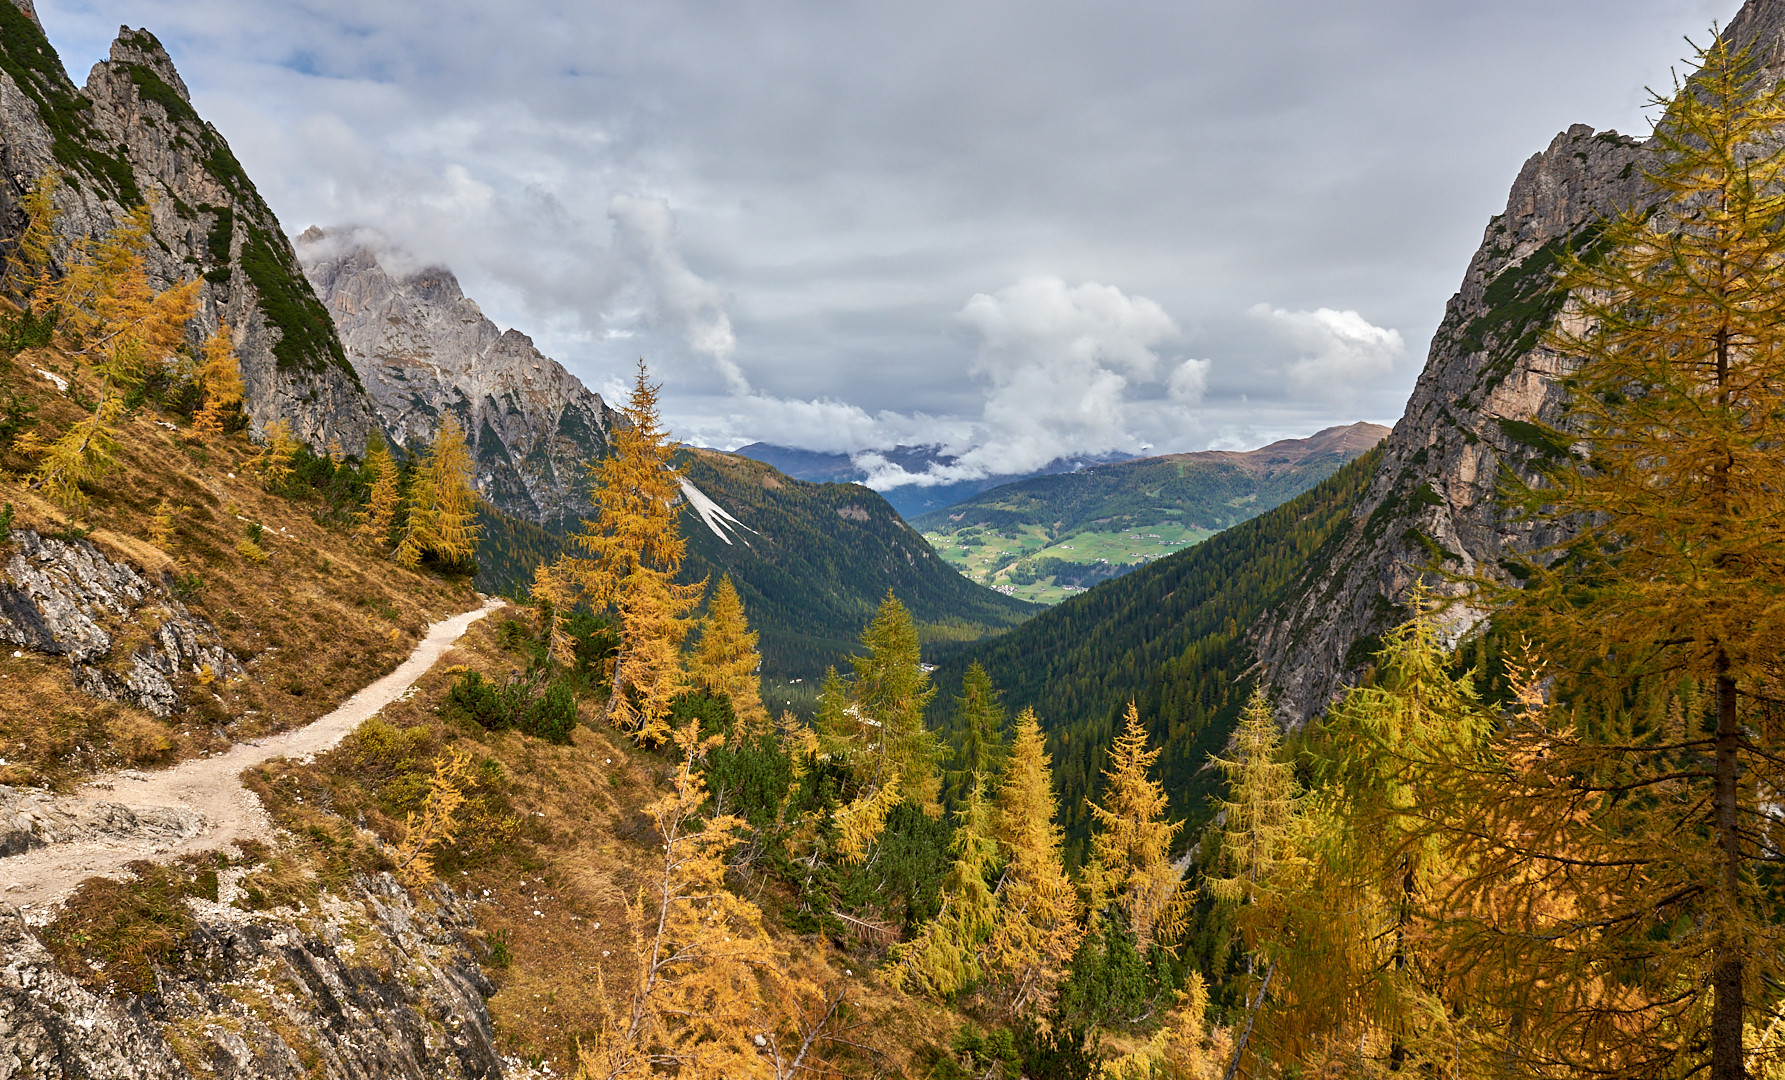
(142, 48)
(424, 350)
(30, 11)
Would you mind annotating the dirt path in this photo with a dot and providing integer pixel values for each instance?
(197, 805)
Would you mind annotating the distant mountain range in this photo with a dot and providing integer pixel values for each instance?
(1047, 537)
(910, 500)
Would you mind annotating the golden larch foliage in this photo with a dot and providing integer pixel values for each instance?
(946, 954)
(385, 496)
(1130, 864)
(442, 521)
(725, 660)
(1038, 921)
(438, 823)
(219, 378)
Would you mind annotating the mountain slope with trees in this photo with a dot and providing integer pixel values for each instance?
(1048, 537)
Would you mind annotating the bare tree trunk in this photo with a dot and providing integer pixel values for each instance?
(1727, 971)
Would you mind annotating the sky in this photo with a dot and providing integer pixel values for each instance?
(1019, 230)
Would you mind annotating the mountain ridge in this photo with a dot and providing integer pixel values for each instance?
(423, 349)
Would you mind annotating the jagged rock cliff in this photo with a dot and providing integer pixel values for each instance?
(423, 349)
(66, 598)
(130, 136)
(1487, 378)
(364, 983)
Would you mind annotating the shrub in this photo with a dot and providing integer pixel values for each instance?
(553, 715)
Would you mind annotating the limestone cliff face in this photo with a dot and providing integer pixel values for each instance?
(360, 983)
(424, 349)
(131, 136)
(1487, 375)
(1487, 378)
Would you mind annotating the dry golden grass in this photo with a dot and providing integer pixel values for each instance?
(322, 617)
(574, 848)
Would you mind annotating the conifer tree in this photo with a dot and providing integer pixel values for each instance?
(277, 455)
(693, 1003)
(1675, 577)
(1038, 924)
(1131, 865)
(219, 378)
(1382, 745)
(945, 956)
(631, 552)
(385, 496)
(725, 659)
(891, 690)
(108, 314)
(979, 719)
(30, 265)
(442, 521)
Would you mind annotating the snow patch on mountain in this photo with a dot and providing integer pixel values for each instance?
(712, 513)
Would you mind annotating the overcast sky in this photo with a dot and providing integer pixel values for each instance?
(1023, 229)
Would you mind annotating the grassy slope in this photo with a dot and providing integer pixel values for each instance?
(1168, 636)
(318, 621)
(555, 834)
(1049, 537)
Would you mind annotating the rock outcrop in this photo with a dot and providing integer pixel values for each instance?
(423, 350)
(68, 599)
(131, 136)
(1487, 385)
(363, 983)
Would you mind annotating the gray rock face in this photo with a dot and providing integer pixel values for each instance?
(1487, 374)
(363, 985)
(58, 598)
(423, 349)
(131, 136)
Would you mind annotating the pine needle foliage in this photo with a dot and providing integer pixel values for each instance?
(946, 955)
(1038, 924)
(278, 455)
(1670, 599)
(1131, 868)
(726, 661)
(890, 691)
(979, 725)
(442, 520)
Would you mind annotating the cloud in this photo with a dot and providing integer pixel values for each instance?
(1058, 362)
(1339, 351)
(644, 234)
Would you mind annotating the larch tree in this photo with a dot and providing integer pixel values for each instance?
(1130, 866)
(1382, 746)
(385, 495)
(946, 955)
(108, 314)
(30, 265)
(442, 520)
(726, 661)
(630, 554)
(890, 691)
(979, 724)
(219, 379)
(1038, 924)
(693, 1003)
(277, 455)
(1671, 593)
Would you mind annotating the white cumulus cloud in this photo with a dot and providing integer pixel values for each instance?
(1059, 363)
(644, 234)
(1337, 351)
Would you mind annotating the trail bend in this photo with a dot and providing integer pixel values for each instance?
(197, 805)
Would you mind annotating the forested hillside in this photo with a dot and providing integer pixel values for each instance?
(1048, 537)
(1170, 637)
(812, 562)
